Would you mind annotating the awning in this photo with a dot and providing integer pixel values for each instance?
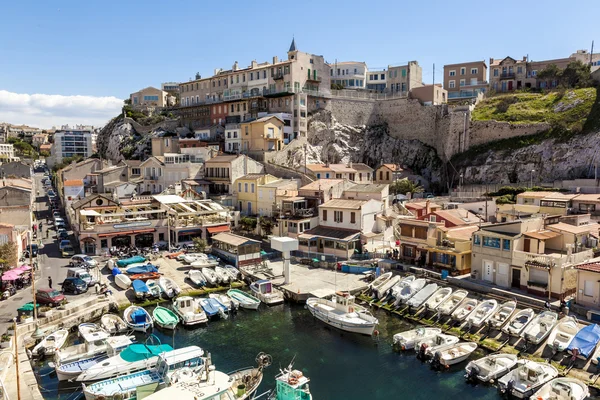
(115, 234)
(190, 231)
(542, 235)
(217, 229)
(149, 230)
(90, 213)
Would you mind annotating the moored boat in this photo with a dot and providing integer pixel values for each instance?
(540, 327)
(146, 276)
(382, 291)
(422, 295)
(502, 314)
(518, 322)
(94, 343)
(165, 318)
(233, 272)
(482, 312)
(380, 280)
(246, 300)
(211, 277)
(407, 340)
(490, 367)
(197, 277)
(204, 263)
(428, 346)
(409, 291)
(584, 342)
(141, 269)
(113, 324)
(265, 292)
(453, 354)
(563, 333)
(223, 275)
(452, 302)
(523, 381)
(225, 300)
(140, 289)
(122, 281)
(153, 289)
(51, 343)
(137, 318)
(341, 312)
(291, 384)
(438, 298)
(168, 287)
(131, 260)
(464, 309)
(189, 311)
(210, 307)
(563, 388)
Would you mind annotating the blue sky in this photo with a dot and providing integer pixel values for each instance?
(111, 48)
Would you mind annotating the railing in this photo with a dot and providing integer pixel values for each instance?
(278, 75)
(314, 79)
(151, 177)
(521, 258)
(478, 83)
(507, 75)
(463, 94)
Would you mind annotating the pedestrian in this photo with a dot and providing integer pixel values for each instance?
(50, 282)
(547, 305)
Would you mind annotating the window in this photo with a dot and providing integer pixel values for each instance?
(533, 73)
(452, 73)
(432, 218)
(136, 171)
(587, 207)
(496, 72)
(246, 187)
(324, 215)
(451, 84)
(491, 242)
(473, 71)
(506, 244)
(382, 77)
(476, 240)
(252, 187)
(352, 217)
(462, 82)
(463, 70)
(338, 216)
(239, 185)
(407, 251)
(588, 288)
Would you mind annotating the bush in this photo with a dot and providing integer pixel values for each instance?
(506, 199)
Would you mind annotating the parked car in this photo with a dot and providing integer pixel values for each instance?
(55, 214)
(49, 297)
(63, 243)
(74, 285)
(59, 223)
(67, 251)
(34, 249)
(62, 234)
(83, 260)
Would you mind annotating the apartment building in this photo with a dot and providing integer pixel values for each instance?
(222, 171)
(377, 80)
(233, 138)
(356, 172)
(70, 143)
(452, 218)
(262, 135)
(349, 74)
(390, 173)
(39, 139)
(165, 144)
(465, 80)
(158, 173)
(246, 191)
(430, 95)
(150, 96)
(271, 195)
(7, 153)
(404, 78)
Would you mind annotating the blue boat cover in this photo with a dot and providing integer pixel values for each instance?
(115, 271)
(209, 307)
(140, 286)
(138, 316)
(131, 260)
(142, 269)
(585, 340)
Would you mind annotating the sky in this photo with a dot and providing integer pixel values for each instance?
(67, 61)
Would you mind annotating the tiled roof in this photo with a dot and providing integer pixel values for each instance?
(592, 267)
(341, 203)
(318, 167)
(561, 226)
(321, 184)
(328, 232)
(368, 187)
(458, 216)
(73, 182)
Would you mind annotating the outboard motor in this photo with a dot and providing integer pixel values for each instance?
(436, 362)
(509, 388)
(421, 353)
(472, 374)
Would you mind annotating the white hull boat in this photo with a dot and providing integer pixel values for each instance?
(168, 287)
(189, 311)
(438, 298)
(153, 288)
(204, 263)
(409, 291)
(197, 278)
(383, 290)
(428, 347)
(518, 322)
(503, 314)
(191, 257)
(562, 388)
(246, 300)
(113, 324)
(419, 299)
(137, 318)
(223, 275)
(453, 354)
(211, 277)
(379, 281)
(491, 367)
(51, 343)
(94, 343)
(234, 273)
(563, 334)
(452, 302)
(407, 340)
(265, 292)
(343, 313)
(527, 378)
(123, 281)
(402, 284)
(464, 310)
(540, 327)
(482, 312)
(225, 300)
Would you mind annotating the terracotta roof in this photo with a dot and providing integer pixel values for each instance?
(458, 216)
(73, 182)
(421, 204)
(561, 226)
(47, 146)
(592, 267)
(321, 184)
(461, 232)
(542, 235)
(341, 203)
(318, 167)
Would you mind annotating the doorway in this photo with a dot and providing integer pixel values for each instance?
(510, 85)
(526, 245)
(488, 271)
(516, 278)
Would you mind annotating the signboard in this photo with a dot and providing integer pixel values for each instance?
(132, 225)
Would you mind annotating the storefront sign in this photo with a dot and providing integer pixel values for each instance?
(131, 225)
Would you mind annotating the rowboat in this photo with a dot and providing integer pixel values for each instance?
(502, 314)
(165, 318)
(453, 354)
(540, 327)
(464, 309)
(380, 280)
(563, 388)
(51, 343)
(406, 340)
(92, 343)
(385, 287)
(419, 299)
(409, 291)
(233, 272)
(438, 298)
(141, 269)
(246, 300)
(211, 277)
(223, 275)
(122, 281)
(491, 367)
(145, 276)
(204, 263)
(225, 300)
(113, 324)
(518, 322)
(482, 312)
(131, 260)
(452, 302)
(153, 288)
(562, 334)
(137, 318)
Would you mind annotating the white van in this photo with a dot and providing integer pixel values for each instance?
(82, 274)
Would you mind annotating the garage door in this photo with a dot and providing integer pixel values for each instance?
(488, 271)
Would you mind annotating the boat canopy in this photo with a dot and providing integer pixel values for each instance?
(585, 340)
(142, 269)
(140, 352)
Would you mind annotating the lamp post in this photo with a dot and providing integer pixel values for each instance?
(531, 179)
(17, 357)
(460, 182)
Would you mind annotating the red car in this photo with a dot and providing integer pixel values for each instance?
(49, 297)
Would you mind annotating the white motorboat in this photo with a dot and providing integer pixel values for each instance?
(197, 277)
(94, 343)
(153, 288)
(246, 300)
(168, 287)
(452, 302)
(502, 314)
(341, 312)
(51, 343)
(265, 292)
(225, 300)
(223, 275)
(422, 295)
(436, 299)
(113, 324)
(406, 340)
(189, 311)
(453, 354)
(123, 281)
(562, 334)
(191, 257)
(464, 309)
(428, 346)
(137, 318)
(562, 388)
(204, 263)
(234, 273)
(490, 367)
(211, 277)
(380, 280)
(540, 327)
(384, 289)
(409, 291)
(524, 380)
(518, 322)
(482, 312)
(397, 288)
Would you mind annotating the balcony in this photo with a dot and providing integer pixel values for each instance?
(507, 75)
(151, 177)
(314, 79)
(278, 75)
(279, 92)
(550, 260)
(473, 84)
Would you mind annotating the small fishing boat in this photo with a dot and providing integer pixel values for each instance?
(113, 324)
(51, 343)
(503, 314)
(453, 354)
(223, 275)
(246, 300)
(196, 277)
(141, 269)
(562, 334)
(464, 309)
(165, 318)
(584, 342)
(265, 292)
(422, 295)
(341, 312)
(131, 260)
(523, 381)
(204, 263)
(145, 276)
(291, 384)
(73, 369)
(409, 291)
(153, 288)
(406, 340)
(140, 289)
(91, 332)
(540, 327)
(189, 311)
(225, 300)
(436, 299)
(123, 281)
(482, 312)
(137, 318)
(518, 322)
(213, 307)
(211, 277)
(233, 272)
(174, 254)
(382, 291)
(428, 346)
(379, 281)
(168, 287)
(93, 343)
(562, 388)
(490, 367)
(397, 288)
(191, 257)
(452, 302)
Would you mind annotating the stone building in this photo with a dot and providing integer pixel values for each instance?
(404, 78)
(465, 80)
(150, 96)
(349, 74)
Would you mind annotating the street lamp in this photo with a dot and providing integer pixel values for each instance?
(531, 179)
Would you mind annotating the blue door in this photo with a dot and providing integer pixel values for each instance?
(249, 208)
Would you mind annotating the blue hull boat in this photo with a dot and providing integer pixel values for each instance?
(209, 307)
(141, 289)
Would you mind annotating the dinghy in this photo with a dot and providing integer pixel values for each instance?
(464, 309)
(225, 300)
(380, 280)
(223, 275)
(453, 354)
(146, 276)
(113, 324)
(540, 327)
(51, 343)
(452, 302)
(91, 332)
(341, 312)
(428, 346)
(168, 287)
(406, 340)
(562, 388)
(191, 257)
(409, 291)
(491, 367)
(523, 381)
(584, 342)
(518, 322)
(153, 288)
(197, 278)
(383, 290)
(165, 318)
(397, 288)
(482, 313)
(131, 260)
(419, 299)
(211, 277)
(265, 292)
(140, 289)
(562, 334)
(503, 314)
(137, 318)
(141, 269)
(210, 308)
(438, 298)
(189, 311)
(233, 272)
(204, 263)
(122, 281)
(246, 300)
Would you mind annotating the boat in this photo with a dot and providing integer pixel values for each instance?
(584, 342)
(131, 260)
(406, 340)
(265, 292)
(211, 277)
(382, 291)
(204, 263)
(438, 298)
(225, 300)
(91, 332)
(422, 295)
(401, 284)
(223, 275)
(137, 318)
(464, 309)
(540, 327)
(123, 281)
(518, 322)
(409, 291)
(379, 281)
(51, 343)
(246, 300)
(142, 269)
(113, 324)
(189, 312)
(153, 288)
(196, 277)
(136, 357)
(164, 317)
(191, 257)
(233, 272)
(453, 354)
(174, 254)
(213, 307)
(452, 302)
(428, 346)
(94, 343)
(491, 367)
(141, 289)
(180, 365)
(502, 314)
(341, 312)
(146, 276)
(563, 333)
(168, 287)
(291, 384)
(482, 312)
(562, 388)
(527, 378)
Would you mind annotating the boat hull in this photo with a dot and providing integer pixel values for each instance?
(363, 329)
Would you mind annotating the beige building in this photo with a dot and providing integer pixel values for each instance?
(262, 135)
(465, 80)
(404, 78)
(222, 171)
(588, 286)
(150, 96)
(430, 94)
(356, 172)
(162, 145)
(389, 173)
(271, 195)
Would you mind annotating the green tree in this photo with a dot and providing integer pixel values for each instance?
(8, 255)
(199, 244)
(248, 224)
(404, 186)
(266, 224)
(551, 72)
(576, 75)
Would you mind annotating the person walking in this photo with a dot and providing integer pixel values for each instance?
(50, 282)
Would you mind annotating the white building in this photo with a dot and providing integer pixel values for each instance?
(233, 138)
(7, 153)
(377, 80)
(349, 74)
(71, 143)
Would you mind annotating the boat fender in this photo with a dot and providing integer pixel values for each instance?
(351, 309)
(376, 332)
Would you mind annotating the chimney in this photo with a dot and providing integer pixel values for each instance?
(491, 60)
(427, 207)
(525, 58)
(235, 66)
(275, 60)
(254, 64)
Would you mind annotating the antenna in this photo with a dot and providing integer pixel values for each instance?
(433, 79)
(592, 53)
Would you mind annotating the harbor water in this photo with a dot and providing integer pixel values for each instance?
(340, 365)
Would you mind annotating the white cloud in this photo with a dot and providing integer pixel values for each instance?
(47, 110)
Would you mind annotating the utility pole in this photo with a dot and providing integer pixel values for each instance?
(17, 357)
(592, 53)
(433, 79)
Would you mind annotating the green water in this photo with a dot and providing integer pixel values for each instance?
(340, 365)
